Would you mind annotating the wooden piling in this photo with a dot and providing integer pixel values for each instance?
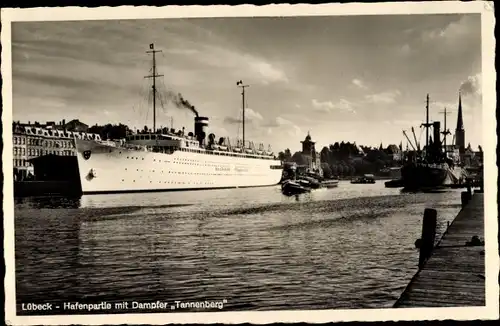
(428, 235)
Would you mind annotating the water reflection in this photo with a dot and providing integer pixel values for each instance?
(346, 247)
(47, 202)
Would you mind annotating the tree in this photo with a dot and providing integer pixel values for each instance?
(299, 158)
(325, 155)
(288, 154)
(327, 172)
(340, 170)
(334, 169)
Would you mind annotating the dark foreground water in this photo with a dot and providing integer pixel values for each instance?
(347, 247)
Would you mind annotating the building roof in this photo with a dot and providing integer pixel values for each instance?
(393, 149)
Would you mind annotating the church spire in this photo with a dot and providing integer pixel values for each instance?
(460, 131)
(460, 121)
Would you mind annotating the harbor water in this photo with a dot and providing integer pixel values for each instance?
(346, 247)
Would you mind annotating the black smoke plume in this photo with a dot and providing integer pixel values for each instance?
(180, 102)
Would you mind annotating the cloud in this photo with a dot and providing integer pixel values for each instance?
(329, 106)
(471, 86)
(384, 97)
(268, 72)
(280, 125)
(359, 83)
(238, 64)
(251, 116)
(405, 49)
(454, 33)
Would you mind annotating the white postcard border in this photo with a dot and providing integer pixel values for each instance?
(490, 311)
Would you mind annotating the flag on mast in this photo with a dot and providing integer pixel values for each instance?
(151, 46)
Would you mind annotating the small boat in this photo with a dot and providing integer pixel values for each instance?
(330, 183)
(290, 188)
(394, 183)
(367, 178)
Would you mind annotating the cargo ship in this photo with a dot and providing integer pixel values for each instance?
(168, 160)
(431, 168)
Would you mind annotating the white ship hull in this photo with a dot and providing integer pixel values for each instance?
(110, 169)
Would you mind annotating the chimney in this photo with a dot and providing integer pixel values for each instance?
(63, 122)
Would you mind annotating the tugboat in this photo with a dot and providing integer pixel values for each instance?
(310, 182)
(291, 188)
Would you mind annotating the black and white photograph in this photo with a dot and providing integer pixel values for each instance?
(279, 163)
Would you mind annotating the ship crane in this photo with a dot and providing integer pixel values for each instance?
(409, 141)
(415, 137)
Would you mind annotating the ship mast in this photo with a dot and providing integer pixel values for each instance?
(445, 132)
(240, 84)
(154, 76)
(426, 125)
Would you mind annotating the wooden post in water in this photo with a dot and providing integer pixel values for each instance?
(465, 197)
(428, 235)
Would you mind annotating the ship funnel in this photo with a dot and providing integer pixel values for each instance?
(436, 126)
(200, 128)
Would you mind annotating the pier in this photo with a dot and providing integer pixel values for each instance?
(454, 273)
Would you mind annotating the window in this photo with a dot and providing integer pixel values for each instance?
(15, 150)
(24, 141)
(15, 140)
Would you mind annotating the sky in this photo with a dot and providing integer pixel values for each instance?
(361, 79)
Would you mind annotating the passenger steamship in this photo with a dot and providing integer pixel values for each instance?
(167, 160)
